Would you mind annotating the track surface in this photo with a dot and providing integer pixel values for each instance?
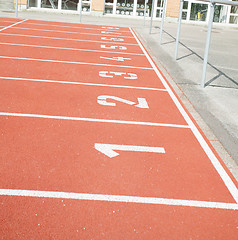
(95, 144)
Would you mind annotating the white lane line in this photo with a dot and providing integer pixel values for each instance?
(52, 30)
(92, 120)
(118, 198)
(217, 165)
(69, 39)
(64, 48)
(103, 28)
(82, 83)
(13, 25)
(68, 62)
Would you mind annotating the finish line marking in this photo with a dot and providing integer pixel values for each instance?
(117, 198)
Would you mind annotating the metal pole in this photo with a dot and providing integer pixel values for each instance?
(16, 8)
(179, 29)
(162, 22)
(80, 11)
(145, 10)
(209, 30)
(152, 13)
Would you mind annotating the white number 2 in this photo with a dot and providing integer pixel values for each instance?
(102, 100)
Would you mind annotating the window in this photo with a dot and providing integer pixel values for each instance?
(33, 3)
(198, 12)
(49, 4)
(125, 7)
(234, 14)
(108, 6)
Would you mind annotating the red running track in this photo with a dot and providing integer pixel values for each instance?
(96, 145)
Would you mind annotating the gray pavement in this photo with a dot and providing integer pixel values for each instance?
(215, 108)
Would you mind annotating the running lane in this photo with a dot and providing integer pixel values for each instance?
(96, 145)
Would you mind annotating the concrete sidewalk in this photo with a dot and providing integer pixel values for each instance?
(215, 108)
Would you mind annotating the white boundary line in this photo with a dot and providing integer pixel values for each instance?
(13, 25)
(92, 120)
(118, 198)
(82, 83)
(103, 27)
(68, 62)
(73, 49)
(82, 27)
(217, 165)
(69, 39)
(52, 30)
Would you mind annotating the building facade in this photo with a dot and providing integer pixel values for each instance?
(192, 10)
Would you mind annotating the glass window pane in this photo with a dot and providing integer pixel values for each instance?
(185, 5)
(220, 14)
(49, 4)
(140, 8)
(234, 9)
(69, 4)
(184, 15)
(234, 19)
(108, 7)
(198, 12)
(33, 3)
(125, 7)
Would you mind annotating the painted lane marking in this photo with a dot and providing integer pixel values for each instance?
(102, 100)
(68, 62)
(65, 48)
(13, 25)
(113, 39)
(83, 27)
(217, 165)
(118, 198)
(116, 33)
(110, 74)
(66, 39)
(115, 47)
(82, 83)
(109, 149)
(118, 59)
(92, 120)
(77, 27)
(58, 31)
(111, 28)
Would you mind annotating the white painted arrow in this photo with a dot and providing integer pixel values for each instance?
(108, 149)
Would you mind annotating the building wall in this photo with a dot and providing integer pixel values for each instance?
(173, 8)
(97, 5)
(23, 2)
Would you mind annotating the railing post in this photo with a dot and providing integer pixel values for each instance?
(179, 29)
(16, 8)
(162, 22)
(152, 13)
(146, 1)
(80, 11)
(209, 30)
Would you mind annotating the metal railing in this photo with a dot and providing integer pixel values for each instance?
(162, 20)
(210, 23)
